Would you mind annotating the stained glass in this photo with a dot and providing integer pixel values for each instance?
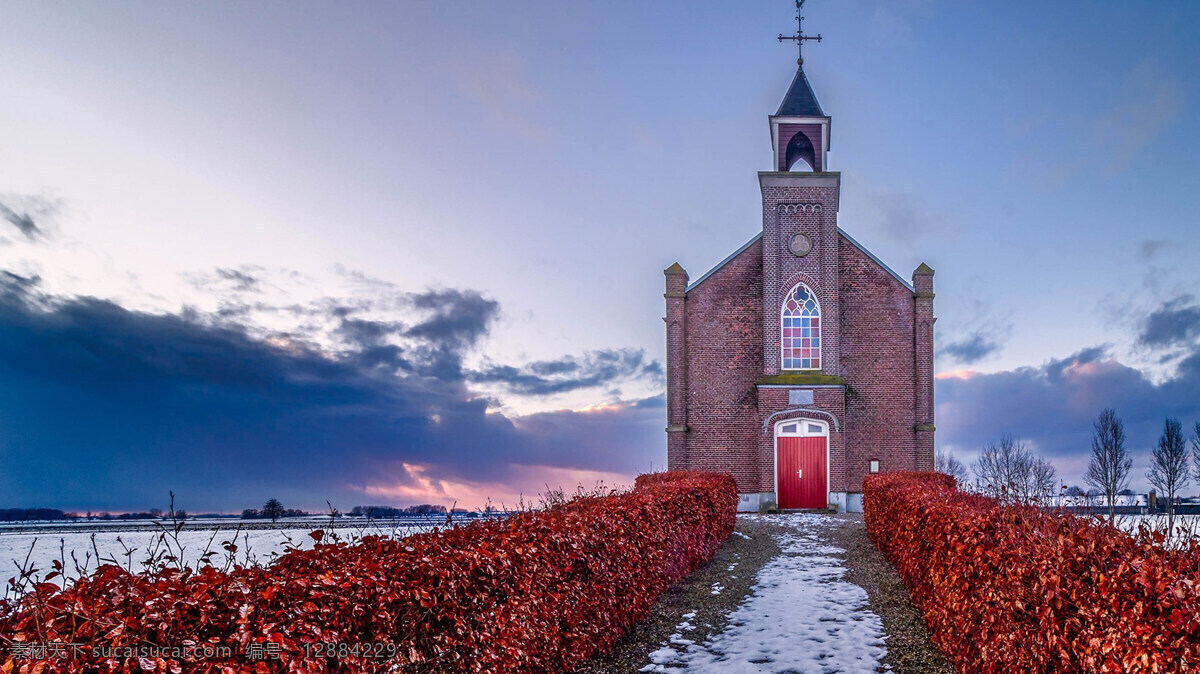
(800, 330)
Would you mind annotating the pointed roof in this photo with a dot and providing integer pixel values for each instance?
(800, 101)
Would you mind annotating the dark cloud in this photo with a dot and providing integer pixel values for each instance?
(595, 368)
(1053, 405)
(987, 336)
(372, 343)
(15, 283)
(103, 407)
(230, 281)
(1174, 323)
(361, 332)
(458, 318)
(1054, 368)
(24, 213)
(1148, 249)
(971, 349)
(242, 280)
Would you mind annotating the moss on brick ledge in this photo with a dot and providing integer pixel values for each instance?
(802, 379)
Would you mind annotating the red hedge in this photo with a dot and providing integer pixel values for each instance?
(535, 592)
(1019, 589)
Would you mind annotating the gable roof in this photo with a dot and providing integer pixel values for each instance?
(841, 232)
(877, 261)
(724, 262)
(800, 101)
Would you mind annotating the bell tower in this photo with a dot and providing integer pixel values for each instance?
(800, 128)
(801, 294)
(800, 235)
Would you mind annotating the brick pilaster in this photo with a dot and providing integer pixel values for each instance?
(923, 319)
(676, 320)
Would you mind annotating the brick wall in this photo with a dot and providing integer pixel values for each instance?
(723, 357)
(878, 363)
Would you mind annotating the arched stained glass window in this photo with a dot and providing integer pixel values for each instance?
(800, 326)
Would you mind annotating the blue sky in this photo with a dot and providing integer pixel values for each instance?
(228, 198)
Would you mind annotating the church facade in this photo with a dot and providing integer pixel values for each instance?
(801, 363)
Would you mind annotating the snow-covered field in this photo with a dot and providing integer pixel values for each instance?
(801, 617)
(130, 543)
(1186, 526)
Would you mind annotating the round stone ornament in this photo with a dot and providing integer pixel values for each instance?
(800, 245)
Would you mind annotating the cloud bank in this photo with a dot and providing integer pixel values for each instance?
(103, 407)
(1053, 406)
(570, 373)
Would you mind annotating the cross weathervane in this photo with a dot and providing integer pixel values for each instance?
(799, 37)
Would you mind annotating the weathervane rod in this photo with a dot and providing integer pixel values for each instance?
(799, 37)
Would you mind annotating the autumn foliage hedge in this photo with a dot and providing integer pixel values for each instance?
(1020, 589)
(534, 592)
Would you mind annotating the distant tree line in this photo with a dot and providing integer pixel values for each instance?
(272, 510)
(1171, 464)
(257, 513)
(26, 514)
(377, 511)
(1077, 492)
(151, 514)
(1009, 470)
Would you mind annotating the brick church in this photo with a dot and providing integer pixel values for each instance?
(801, 362)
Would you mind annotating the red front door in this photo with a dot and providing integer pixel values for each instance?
(801, 472)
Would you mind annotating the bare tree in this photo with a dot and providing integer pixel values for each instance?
(1169, 466)
(1196, 448)
(272, 508)
(1042, 482)
(1108, 471)
(945, 462)
(1010, 471)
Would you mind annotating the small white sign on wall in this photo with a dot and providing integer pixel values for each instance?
(800, 397)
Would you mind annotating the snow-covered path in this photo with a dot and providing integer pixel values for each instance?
(802, 616)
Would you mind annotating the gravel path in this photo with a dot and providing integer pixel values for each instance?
(707, 596)
(787, 593)
(909, 648)
(801, 617)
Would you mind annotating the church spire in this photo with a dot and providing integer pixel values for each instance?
(799, 37)
(800, 101)
(800, 128)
